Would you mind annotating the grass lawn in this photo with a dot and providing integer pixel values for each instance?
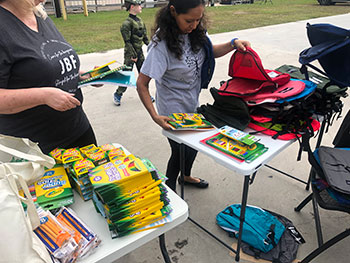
(100, 31)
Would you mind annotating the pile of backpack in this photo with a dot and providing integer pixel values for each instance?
(266, 235)
(279, 103)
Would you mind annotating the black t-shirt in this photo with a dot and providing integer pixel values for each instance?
(39, 59)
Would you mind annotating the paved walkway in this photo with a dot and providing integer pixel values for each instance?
(131, 126)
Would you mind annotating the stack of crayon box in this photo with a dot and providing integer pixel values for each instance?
(128, 192)
(78, 161)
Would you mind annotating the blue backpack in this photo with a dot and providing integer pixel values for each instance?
(261, 229)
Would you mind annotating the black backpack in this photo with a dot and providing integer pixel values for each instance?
(287, 247)
(226, 110)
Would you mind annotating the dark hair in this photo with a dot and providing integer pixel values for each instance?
(166, 27)
(127, 6)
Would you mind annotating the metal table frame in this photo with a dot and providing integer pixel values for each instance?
(248, 170)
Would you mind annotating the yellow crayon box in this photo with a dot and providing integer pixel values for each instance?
(57, 155)
(82, 167)
(117, 173)
(97, 156)
(53, 190)
(88, 148)
(71, 155)
(108, 146)
(115, 154)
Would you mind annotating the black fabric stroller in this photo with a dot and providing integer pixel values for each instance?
(330, 46)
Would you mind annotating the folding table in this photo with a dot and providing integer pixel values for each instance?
(112, 249)
(248, 170)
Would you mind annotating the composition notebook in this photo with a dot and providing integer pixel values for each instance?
(189, 121)
(106, 75)
(235, 149)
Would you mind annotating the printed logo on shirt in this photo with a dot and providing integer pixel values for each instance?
(191, 60)
(65, 60)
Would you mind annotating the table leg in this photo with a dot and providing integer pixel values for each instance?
(163, 249)
(242, 215)
(182, 168)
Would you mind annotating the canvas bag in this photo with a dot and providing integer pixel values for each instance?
(249, 76)
(260, 228)
(18, 242)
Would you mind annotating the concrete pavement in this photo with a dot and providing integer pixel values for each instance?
(131, 126)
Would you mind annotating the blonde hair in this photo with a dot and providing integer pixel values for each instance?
(29, 4)
(39, 10)
(26, 5)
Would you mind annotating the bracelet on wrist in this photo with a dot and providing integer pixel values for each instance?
(233, 42)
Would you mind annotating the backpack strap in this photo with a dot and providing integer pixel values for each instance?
(271, 235)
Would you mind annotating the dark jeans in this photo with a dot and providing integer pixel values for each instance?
(87, 138)
(173, 168)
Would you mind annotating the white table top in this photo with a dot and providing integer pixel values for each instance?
(112, 249)
(192, 139)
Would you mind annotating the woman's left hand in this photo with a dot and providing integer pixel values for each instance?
(83, 76)
(241, 44)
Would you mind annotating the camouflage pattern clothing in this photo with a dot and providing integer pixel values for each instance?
(134, 34)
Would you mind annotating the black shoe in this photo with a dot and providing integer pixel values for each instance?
(201, 184)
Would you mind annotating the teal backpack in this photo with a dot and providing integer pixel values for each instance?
(261, 229)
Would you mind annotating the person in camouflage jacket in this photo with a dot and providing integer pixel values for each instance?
(134, 34)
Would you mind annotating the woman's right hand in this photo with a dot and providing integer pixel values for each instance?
(162, 121)
(60, 100)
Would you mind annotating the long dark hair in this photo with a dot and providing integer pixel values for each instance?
(166, 27)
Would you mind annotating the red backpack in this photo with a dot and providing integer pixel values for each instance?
(287, 132)
(249, 76)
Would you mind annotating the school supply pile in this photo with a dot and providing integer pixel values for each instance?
(128, 192)
(236, 144)
(266, 235)
(65, 236)
(106, 74)
(189, 121)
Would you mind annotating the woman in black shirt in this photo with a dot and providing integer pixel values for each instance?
(39, 75)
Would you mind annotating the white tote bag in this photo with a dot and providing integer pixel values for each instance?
(18, 243)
